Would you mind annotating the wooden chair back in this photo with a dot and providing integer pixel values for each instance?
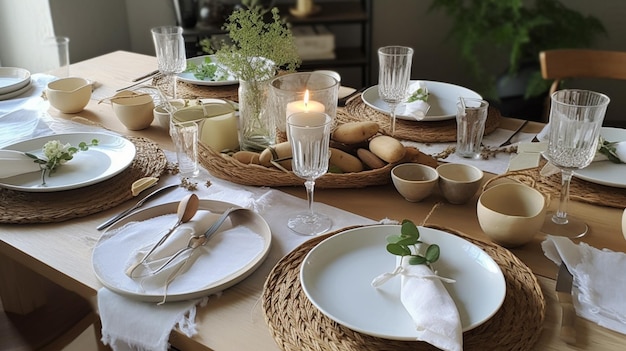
(561, 64)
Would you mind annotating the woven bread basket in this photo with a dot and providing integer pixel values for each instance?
(226, 167)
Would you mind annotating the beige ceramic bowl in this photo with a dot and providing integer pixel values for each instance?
(459, 182)
(162, 116)
(414, 181)
(511, 213)
(69, 95)
(135, 111)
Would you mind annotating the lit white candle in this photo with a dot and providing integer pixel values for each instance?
(307, 124)
(304, 105)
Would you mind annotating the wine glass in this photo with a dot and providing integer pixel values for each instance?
(170, 52)
(574, 129)
(309, 134)
(394, 75)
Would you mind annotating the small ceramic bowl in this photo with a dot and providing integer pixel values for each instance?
(135, 111)
(69, 95)
(414, 181)
(459, 182)
(511, 213)
(162, 116)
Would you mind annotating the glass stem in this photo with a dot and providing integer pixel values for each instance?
(173, 83)
(310, 185)
(392, 111)
(560, 217)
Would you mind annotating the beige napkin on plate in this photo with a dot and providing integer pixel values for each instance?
(14, 163)
(418, 108)
(433, 311)
(599, 280)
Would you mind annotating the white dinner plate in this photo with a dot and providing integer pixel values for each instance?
(336, 276)
(188, 77)
(442, 99)
(205, 276)
(17, 92)
(606, 172)
(12, 79)
(112, 155)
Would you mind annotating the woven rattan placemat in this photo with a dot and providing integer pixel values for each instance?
(296, 324)
(27, 207)
(423, 132)
(580, 190)
(192, 91)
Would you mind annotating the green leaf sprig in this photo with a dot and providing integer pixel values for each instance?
(408, 244)
(419, 94)
(609, 149)
(207, 70)
(56, 154)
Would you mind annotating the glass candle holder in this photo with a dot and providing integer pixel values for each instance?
(302, 92)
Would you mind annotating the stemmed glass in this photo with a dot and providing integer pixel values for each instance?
(170, 52)
(309, 134)
(394, 75)
(574, 129)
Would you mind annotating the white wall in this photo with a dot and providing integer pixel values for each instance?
(23, 25)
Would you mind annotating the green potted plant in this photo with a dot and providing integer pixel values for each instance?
(519, 30)
(260, 44)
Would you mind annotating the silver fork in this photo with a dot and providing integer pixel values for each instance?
(196, 241)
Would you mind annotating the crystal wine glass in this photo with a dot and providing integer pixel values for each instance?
(309, 134)
(170, 52)
(574, 129)
(394, 75)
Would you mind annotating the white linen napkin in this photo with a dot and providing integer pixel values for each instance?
(418, 108)
(176, 241)
(14, 163)
(433, 311)
(599, 280)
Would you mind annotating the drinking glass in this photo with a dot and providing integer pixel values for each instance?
(575, 121)
(394, 75)
(170, 52)
(309, 134)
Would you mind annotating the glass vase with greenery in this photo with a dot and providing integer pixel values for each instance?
(261, 43)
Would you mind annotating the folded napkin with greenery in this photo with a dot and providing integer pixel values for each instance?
(13, 163)
(415, 106)
(423, 294)
(599, 285)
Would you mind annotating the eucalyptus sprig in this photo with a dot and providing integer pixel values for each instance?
(207, 70)
(56, 154)
(408, 244)
(258, 47)
(419, 94)
(610, 150)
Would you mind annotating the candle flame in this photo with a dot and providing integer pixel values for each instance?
(306, 100)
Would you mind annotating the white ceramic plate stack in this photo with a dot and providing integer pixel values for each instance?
(14, 81)
(606, 172)
(112, 155)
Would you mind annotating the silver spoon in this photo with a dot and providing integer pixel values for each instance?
(187, 208)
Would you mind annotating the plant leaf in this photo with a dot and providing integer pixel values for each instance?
(398, 250)
(432, 253)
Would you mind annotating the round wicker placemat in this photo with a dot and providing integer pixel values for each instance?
(192, 91)
(296, 324)
(27, 207)
(423, 132)
(580, 190)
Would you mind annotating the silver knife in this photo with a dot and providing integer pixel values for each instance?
(126, 212)
(564, 294)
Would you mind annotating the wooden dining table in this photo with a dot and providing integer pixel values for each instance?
(61, 252)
